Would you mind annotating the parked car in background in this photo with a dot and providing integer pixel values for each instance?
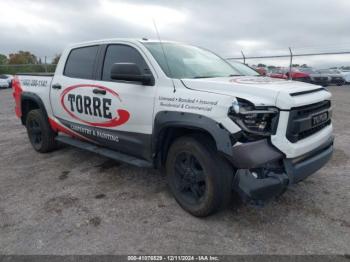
(297, 75)
(261, 70)
(6, 81)
(346, 75)
(3, 84)
(310, 75)
(335, 76)
(277, 73)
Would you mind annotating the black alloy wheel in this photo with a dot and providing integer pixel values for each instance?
(189, 177)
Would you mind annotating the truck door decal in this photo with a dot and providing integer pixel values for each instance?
(89, 105)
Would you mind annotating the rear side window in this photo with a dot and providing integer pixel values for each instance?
(80, 62)
(122, 54)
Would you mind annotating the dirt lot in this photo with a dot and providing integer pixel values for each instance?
(74, 202)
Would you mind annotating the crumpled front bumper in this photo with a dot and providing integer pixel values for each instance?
(263, 172)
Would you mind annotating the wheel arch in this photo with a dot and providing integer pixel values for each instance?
(30, 101)
(170, 125)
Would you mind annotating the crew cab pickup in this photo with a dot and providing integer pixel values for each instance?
(211, 127)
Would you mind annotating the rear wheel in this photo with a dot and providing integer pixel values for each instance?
(200, 180)
(40, 134)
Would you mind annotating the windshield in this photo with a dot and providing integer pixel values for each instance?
(187, 61)
(244, 69)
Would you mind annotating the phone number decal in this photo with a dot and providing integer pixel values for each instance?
(34, 83)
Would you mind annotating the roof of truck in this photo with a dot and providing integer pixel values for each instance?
(112, 40)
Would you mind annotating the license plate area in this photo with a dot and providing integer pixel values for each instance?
(319, 119)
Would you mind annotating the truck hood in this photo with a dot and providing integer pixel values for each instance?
(258, 90)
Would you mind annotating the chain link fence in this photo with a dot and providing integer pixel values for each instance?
(27, 68)
(297, 57)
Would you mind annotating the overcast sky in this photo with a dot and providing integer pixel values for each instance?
(225, 26)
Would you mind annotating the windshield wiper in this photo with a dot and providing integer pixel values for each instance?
(235, 75)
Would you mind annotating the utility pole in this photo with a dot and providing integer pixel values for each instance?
(290, 63)
(45, 65)
(243, 56)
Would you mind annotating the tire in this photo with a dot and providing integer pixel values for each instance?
(199, 179)
(40, 134)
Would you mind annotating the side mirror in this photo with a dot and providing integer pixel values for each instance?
(130, 72)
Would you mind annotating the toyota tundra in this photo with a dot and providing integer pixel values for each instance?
(210, 126)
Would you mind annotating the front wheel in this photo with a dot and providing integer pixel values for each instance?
(40, 134)
(199, 179)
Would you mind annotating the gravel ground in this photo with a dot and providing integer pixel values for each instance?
(75, 202)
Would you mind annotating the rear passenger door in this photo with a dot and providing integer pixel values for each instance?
(72, 85)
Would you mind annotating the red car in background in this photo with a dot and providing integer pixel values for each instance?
(261, 70)
(298, 75)
(277, 73)
(307, 75)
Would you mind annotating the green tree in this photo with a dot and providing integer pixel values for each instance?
(3, 59)
(23, 57)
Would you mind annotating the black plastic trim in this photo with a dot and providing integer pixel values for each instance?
(300, 120)
(29, 96)
(168, 119)
(131, 143)
(104, 152)
(253, 189)
(307, 92)
(99, 61)
(301, 167)
(254, 154)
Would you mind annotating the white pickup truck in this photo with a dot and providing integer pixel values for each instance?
(213, 127)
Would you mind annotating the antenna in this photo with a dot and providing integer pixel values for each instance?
(165, 57)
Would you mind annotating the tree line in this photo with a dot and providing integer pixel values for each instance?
(25, 62)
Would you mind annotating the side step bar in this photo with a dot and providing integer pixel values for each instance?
(104, 151)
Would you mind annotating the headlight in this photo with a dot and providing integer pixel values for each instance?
(257, 120)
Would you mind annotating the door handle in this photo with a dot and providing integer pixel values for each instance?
(56, 86)
(99, 91)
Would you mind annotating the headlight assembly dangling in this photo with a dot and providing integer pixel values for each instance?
(256, 120)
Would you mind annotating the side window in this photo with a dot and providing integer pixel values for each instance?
(122, 54)
(80, 62)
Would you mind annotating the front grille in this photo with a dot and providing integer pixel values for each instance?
(300, 124)
(314, 130)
